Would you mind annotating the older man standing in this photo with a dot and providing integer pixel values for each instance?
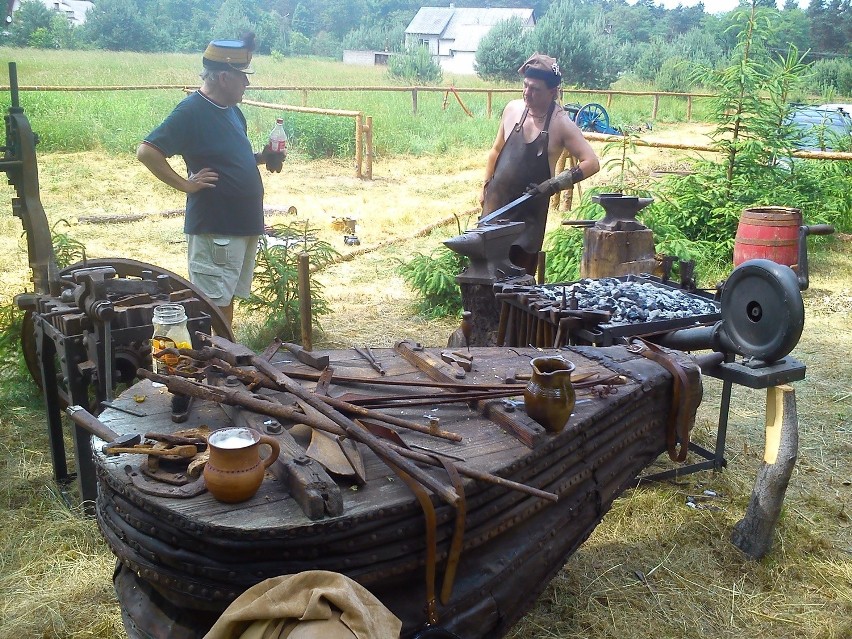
(224, 192)
(533, 134)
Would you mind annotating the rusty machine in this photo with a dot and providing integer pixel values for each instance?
(87, 327)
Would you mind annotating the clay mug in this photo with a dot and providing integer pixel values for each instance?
(549, 396)
(235, 470)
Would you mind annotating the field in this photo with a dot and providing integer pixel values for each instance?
(653, 568)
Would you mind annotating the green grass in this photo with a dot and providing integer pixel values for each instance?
(115, 121)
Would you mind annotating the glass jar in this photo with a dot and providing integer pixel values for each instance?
(170, 331)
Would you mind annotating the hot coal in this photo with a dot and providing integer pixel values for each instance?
(631, 302)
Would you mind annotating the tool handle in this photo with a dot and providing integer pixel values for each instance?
(818, 229)
(86, 420)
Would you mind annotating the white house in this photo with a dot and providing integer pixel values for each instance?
(453, 34)
(73, 10)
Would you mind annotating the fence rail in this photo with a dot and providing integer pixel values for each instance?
(413, 90)
(364, 124)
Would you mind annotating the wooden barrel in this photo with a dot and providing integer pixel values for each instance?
(768, 232)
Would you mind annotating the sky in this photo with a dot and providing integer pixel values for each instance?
(713, 6)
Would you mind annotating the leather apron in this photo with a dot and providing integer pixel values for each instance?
(519, 165)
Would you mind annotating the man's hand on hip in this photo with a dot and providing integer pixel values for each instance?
(204, 179)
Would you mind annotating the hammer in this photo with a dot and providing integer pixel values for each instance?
(89, 422)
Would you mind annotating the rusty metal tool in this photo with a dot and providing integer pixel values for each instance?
(367, 354)
(185, 451)
(84, 419)
(342, 424)
(306, 357)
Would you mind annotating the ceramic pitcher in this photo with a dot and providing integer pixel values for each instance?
(549, 395)
(235, 470)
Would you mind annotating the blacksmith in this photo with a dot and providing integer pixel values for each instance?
(533, 134)
(224, 192)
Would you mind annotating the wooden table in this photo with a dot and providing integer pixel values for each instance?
(183, 560)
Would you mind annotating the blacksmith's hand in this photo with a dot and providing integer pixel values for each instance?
(204, 179)
(545, 188)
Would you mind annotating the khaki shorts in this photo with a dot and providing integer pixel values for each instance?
(222, 266)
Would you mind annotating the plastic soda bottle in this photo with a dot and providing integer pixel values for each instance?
(170, 331)
(277, 147)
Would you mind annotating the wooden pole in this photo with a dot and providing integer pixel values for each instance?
(369, 147)
(558, 199)
(689, 108)
(656, 106)
(608, 100)
(359, 144)
(304, 97)
(488, 101)
(305, 306)
(414, 101)
(753, 534)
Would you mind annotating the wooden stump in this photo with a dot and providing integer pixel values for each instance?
(608, 253)
(753, 533)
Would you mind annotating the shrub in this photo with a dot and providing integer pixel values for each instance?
(433, 276)
(674, 76)
(415, 65)
(275, 289)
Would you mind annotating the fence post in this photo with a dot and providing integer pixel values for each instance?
(488, 97)
(689, 108)
(359, 142)
(414, 101)
(304, 97)
(608, 101)
(656, 106)
(369, 145)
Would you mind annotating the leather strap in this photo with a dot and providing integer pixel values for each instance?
(682, 412)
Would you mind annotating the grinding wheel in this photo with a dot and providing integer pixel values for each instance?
(762, 311)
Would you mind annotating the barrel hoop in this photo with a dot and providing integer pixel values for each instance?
(759, 242)
(767, 221)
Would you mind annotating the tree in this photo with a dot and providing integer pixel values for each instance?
(586, 54)
(120, 25)
(31, 17)
(503, 50)
(232, 20)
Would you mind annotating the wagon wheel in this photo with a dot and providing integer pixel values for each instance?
(592, 117)
(123, 268)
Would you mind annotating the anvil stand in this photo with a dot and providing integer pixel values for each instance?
(784, 371)
(487, 249)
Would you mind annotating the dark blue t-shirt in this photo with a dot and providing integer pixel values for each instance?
(211, 136)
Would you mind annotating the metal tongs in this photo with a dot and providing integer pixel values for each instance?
(367, 354)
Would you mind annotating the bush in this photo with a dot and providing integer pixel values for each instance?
(415, 65)
(275, 289)
(434, 278)
(503, 50)
(674, 76)
(319, 136)
(833, 74)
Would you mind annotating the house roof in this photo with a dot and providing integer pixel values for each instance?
(467, 26)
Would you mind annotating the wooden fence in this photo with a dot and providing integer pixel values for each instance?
(364, 124)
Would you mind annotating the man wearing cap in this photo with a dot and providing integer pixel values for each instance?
(224, 192)
(533, 134)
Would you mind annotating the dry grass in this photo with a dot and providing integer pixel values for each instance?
(653, 568)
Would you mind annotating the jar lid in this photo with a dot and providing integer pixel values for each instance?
(169, 314)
